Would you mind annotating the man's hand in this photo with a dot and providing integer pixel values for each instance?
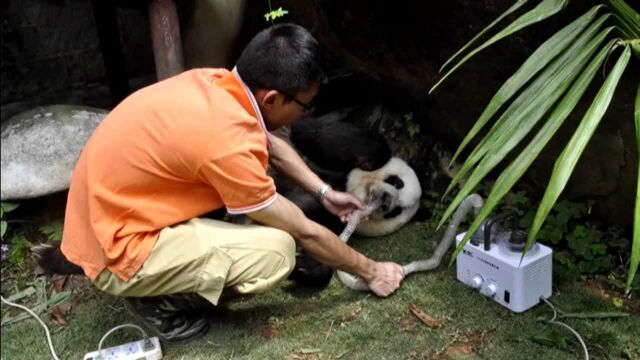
(387, 279)
(341, 204)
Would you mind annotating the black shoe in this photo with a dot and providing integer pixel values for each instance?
(167, 318)
(309, 273)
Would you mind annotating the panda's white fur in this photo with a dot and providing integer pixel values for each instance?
(363, 183)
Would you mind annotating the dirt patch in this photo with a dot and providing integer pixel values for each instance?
(600, 288)
(408, 323)
(269, 332)
(463, 346)
(459, 351)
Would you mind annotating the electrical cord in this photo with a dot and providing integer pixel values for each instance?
(145, 337)
(46, 329)
(104, 337)
(554, 322)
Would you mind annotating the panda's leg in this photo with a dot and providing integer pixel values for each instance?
(308, 272)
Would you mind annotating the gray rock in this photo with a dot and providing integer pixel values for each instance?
(41, 146)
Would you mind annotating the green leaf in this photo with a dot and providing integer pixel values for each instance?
(274, 14)
(568, 211)
(635, 246)
(565, 258)
(55, 300)
(543, 55)
(6, 207)
(624, 29)
(53, 230)
(630, 17)
(310, 351)
(506, 124)
(552, 338)
(545, 9)
(618, 303)
(22, 294)
(510, 10)
(569, 157)
(598, 249)
(517, 168)
(532, 106)
(3, 228)
(635, 47)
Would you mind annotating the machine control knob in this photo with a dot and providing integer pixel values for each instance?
(489, 289)
(476, 281)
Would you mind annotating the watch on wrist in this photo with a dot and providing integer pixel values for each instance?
(323, 191)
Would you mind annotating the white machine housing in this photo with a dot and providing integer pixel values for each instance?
(498, 273)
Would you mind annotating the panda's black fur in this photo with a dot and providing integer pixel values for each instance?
(336, 145)
(333, 148)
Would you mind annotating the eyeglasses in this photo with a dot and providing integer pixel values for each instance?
(307, 107)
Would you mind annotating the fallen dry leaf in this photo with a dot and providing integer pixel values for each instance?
(426, 319)
(301, 356)
(57, 316)
(59, 282)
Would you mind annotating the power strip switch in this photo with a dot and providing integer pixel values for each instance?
(148, 349)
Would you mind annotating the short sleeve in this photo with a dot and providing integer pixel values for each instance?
(241, 181)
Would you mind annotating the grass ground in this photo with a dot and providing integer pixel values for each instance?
(337, 323)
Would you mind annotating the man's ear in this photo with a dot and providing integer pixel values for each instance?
(267, 98)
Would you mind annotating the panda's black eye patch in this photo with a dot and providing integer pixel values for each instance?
(395, 181)
(397, 211)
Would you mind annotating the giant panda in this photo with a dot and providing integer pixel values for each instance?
(350, 159)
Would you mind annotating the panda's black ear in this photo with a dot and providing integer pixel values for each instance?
(362, 162)
(394, 181)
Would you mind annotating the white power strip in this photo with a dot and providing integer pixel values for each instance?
(138, 350)
(145, 349)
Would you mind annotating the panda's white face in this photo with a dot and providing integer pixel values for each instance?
(398, 185)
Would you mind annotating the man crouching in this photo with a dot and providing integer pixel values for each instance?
(192, 144)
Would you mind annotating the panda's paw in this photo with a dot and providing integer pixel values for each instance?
(309, 273)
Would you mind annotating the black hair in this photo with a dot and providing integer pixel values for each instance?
(284, 57)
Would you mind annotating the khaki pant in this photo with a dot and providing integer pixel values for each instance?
(205, 256)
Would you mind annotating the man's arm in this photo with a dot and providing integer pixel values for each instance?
(287, 161)
(323, 245)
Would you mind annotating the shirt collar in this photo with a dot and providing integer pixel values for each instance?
(254, 104)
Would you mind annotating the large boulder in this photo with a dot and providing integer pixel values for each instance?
(41, 146)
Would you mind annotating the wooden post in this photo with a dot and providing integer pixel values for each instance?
(165, 36)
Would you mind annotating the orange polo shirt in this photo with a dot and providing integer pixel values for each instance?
(170, 152)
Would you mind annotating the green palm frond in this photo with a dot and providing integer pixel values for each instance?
(542, 93)
(516, 169)
(569, 157)
(635, 246)
(545, 9)
(525, 112)
(536, 62)
(495, 22)
(627, 16)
